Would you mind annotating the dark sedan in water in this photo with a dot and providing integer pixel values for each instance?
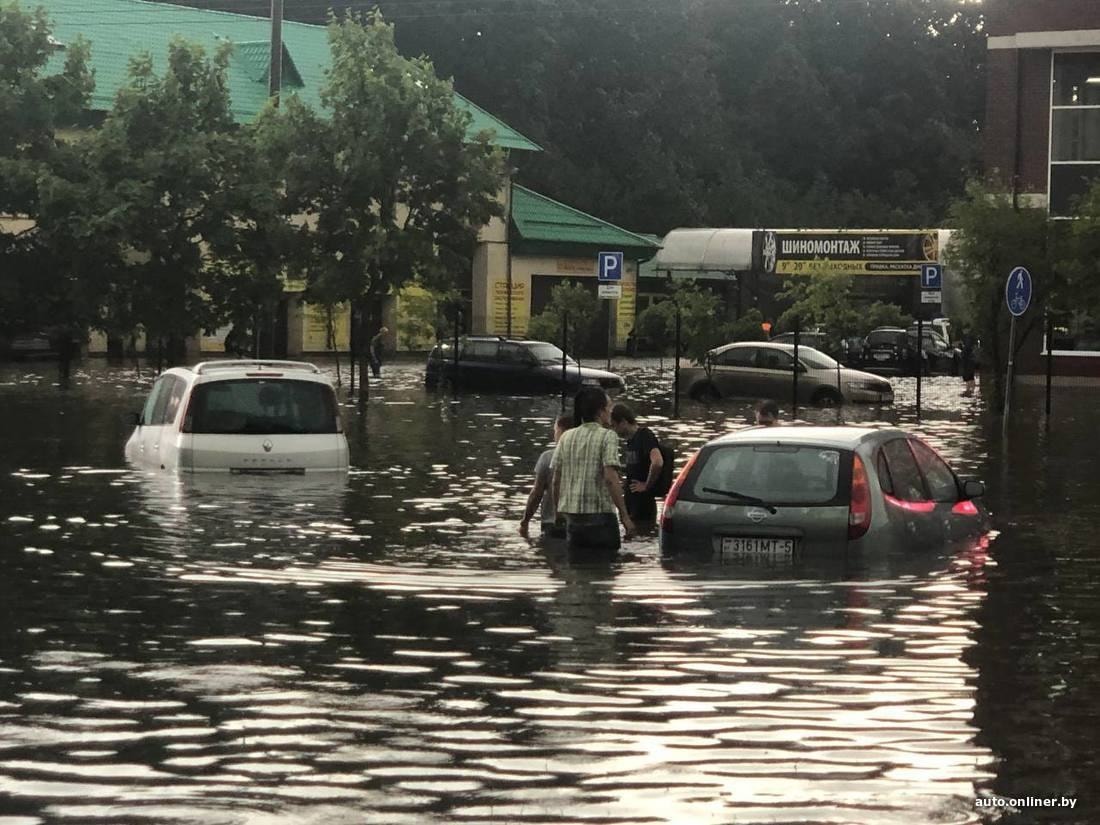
(512, 365)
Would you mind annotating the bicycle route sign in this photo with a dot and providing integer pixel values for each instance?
(1018, 291)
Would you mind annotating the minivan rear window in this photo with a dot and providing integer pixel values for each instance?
(261, 407)
(776, 473)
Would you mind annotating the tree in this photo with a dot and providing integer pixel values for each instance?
(385, 177)
(34, 106)
(165, 157)
(570, 305)
(992, 237)
(701, 325)
(827, 301)
(39, 288)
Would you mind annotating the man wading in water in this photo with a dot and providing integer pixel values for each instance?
(587, 487)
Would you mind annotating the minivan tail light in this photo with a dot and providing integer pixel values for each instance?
(859, 506)
(674, 491)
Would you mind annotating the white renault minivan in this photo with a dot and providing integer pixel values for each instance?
(254, 416)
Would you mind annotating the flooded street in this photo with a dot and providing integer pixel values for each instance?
(387, 648)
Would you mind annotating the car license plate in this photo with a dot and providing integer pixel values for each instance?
(753, 549)
(881, 356)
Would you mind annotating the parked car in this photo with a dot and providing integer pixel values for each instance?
(240, 416)
(752, 369)
(774, 494)
(891, 351)
(512, 365)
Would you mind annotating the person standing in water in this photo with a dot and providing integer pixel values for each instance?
(377, 348)
(767, 413)
(587, 486)
(540, 491)
(643, 462)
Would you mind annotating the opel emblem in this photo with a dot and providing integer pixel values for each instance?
(268, 445)
(757, 514)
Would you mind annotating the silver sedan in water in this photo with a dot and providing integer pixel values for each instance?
(759, 369)
(774, 494)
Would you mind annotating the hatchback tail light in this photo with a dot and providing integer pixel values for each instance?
(859, 507)
(966, 507)
(674, 492)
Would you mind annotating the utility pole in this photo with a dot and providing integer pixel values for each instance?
(275, 74)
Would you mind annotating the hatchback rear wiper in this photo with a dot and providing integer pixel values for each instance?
(759, 502)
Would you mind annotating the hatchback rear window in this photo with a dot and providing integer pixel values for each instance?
(776, 473)
(261, 407)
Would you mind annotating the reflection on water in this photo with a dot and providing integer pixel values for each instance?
(385, 647)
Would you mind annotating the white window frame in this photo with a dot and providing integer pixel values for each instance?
(1052, 163)
(1051, 108)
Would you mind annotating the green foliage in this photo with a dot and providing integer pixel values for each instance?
(701, 326)
(577, 306)
(426, 317)
(369, 176)
(993, 236)
(880, 314)
(826, 301)
(896, 87)
(160, 172)
(33, 106)
(40, 282)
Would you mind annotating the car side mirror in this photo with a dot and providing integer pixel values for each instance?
(135, 419)
(973, 489)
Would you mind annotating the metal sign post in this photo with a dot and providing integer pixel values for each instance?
(609, 274)
(1018, 299)
(564, 357)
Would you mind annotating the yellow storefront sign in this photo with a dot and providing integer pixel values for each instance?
(498, 308)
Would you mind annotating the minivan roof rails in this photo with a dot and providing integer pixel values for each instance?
(236, 364)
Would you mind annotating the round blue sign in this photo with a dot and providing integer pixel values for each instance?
(1018, 291)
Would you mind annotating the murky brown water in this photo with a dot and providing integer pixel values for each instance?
(388, 649)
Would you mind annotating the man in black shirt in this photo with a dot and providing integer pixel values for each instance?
(642, 462)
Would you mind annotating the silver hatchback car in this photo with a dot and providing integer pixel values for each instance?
(775, 494)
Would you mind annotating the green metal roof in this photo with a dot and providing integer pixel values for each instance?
(121, 29)
(539, 219)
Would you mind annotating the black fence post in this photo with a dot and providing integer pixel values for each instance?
(920, 361)
(564, 341)
(1050, 359)
(458, 325)
(794, 369)
(676, 370)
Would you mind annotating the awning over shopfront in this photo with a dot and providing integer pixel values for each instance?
(703, 253)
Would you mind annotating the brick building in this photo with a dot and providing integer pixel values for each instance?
(1042, 135)
(1042, 128)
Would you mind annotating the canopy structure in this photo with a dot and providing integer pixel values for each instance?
(714, 254)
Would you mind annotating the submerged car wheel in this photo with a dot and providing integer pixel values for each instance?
(704, 391)
(827, 397)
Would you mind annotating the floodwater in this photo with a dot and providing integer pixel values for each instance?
(388, 649)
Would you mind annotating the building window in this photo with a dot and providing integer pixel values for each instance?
(1074, 128)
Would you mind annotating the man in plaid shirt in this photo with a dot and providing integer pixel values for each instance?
(587, 484)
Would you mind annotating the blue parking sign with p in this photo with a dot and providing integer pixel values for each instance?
(931, 276)
(609, 266)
